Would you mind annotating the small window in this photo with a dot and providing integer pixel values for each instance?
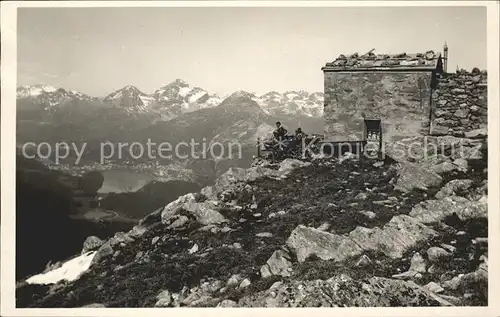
(373, 129)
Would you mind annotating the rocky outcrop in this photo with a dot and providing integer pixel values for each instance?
(395, 238)
(236, 175)
(412, 176)
(431, 211)
(343, 291)
(306, 241)
(278, 264)
(460, 104)
(454, 187)
(91, 243)
(205, 212)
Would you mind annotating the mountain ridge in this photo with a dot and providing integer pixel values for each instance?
(174, 99)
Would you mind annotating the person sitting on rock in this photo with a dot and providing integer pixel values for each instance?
(280, 131)
(299, 134)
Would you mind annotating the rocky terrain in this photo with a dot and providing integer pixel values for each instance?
(348, 231)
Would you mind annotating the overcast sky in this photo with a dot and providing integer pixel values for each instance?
(99, 50)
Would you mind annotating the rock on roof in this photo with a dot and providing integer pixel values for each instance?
(428, 59)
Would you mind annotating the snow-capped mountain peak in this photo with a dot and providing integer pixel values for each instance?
(49, 97)
(179, 97)
(292, 103)
(34, 90)
(130, 99)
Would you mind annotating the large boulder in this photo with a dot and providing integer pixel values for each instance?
(412, 176)
(236, 175)
(399, 235)
(287, 165)
(454, 187)
(305, 241)
(205, 212)
(103, 252)
(91, 243)
(278, 264)
(431, 211)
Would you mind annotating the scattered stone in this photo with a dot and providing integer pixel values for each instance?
(369, 214)
(264, 235)
(462, 164)
(437, 254)
(361, 196)
(363, 261)
(444, 167)
(227, 303)
(324, 226)
(448, 247)
(164, 299)
(237, 245)
(139, 255)
(432, 269)
(434, 287)
(378, 164)
(417, 263)
(454, 283)
(136, 232)
(245, 283)
(234, 280)
(154, 240)
(277, 264)
(94, 305)
(194, 249)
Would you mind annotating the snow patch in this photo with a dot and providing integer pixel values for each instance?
(197, 96)
(184, 91)
(69, 271)
(146, 100)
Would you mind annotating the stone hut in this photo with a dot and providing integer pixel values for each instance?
(411, 95)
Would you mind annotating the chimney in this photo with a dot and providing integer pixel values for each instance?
(445, 49)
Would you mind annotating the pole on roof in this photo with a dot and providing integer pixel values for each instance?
(445, 49)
